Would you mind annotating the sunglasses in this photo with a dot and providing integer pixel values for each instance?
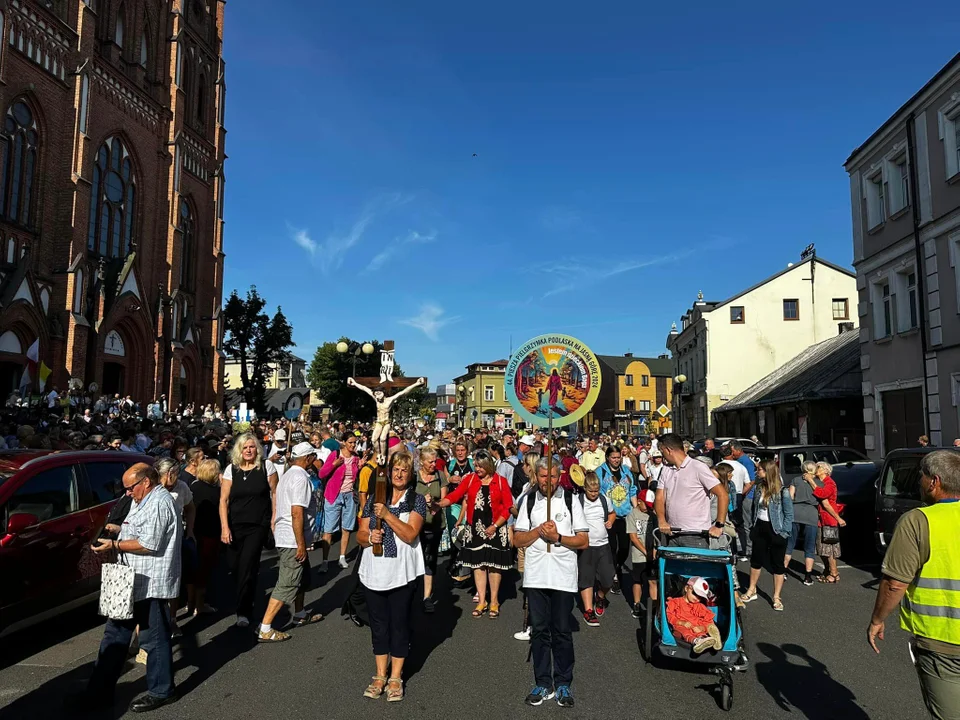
(128, 490)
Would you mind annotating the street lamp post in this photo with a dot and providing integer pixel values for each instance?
(355, 349)
(462, 405)
(678, 382)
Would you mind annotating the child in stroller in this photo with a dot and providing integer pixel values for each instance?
(691, 620)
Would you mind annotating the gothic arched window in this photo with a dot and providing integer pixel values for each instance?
(18, 160)
(188, 248)
(113, 200)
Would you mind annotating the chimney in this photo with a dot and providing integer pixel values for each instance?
(845, 327)
(628, 354)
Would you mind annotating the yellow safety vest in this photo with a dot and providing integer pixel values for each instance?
(931, 606)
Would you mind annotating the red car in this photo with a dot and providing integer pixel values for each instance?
(53, 505)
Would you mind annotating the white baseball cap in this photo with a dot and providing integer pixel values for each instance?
(700, 588)
(528, 440)
(280, 434)
(303, 450)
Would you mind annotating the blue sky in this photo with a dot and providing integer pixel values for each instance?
(627, 157)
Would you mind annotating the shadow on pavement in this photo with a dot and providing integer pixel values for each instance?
(431, 631)
(799, 682)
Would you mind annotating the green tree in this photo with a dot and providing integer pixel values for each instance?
(256, 341)
(328, 373)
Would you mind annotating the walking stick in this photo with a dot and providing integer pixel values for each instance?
(380, 496)
(549, 449)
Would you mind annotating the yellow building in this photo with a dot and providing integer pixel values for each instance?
(635, 395)
(481, 399)
(290, 373)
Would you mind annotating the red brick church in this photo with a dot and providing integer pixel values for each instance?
(111, 194)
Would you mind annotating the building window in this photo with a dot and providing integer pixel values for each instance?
(20, 143)
(900, 196)
(876, 206)
(118, 30)
(628, 380)
(841, 309)
(188, 248)
(84, 101)
(178, 69)
(201, 105)
(508, 422)
(736, 315)
(78, 292)
(644, 406)
(144, 50)
(630, 405)
(886, 317)
(791, 309)
(950, 134)
(112, 201)
(645, 380)
(488, 393)
(912, 299)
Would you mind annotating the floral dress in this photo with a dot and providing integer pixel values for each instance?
(481, 552)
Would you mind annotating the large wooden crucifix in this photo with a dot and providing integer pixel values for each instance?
(376, 388)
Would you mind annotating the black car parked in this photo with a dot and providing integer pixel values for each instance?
(854, 473)
(898, 490)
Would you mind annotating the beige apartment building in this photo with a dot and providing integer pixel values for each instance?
(722, 348)
(291, 373)
(905, 202)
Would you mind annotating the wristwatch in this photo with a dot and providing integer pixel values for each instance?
(559, 542)
(718, 525)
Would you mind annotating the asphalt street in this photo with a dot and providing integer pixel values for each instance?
(811, 661)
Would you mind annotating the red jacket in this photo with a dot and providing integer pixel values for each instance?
(501, 500)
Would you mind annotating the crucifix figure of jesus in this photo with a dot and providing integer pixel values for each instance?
(381, 427)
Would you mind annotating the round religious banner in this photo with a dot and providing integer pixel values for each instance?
(552, 376)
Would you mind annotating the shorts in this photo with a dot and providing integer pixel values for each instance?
(642, 571)
(595, 564)
(809, 540)
(294, 577)
(341, 514)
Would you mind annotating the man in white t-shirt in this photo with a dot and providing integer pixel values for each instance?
(296, 510)
(550, 580)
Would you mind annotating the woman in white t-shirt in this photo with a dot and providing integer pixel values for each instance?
(169, 471)
(391, 577)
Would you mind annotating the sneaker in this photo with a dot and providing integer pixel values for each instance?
(600, 605)
(538, 695)
(808, 579)
(242, 621)
(714, 632)
(637, 611)
(564, 698)
(743, 558)
(429, 606)
(703, 644)
(591, 619)
(522, 635)
(616, 591)
(342, 562)
(323, 566)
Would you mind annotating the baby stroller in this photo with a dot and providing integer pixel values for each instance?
(675, 565)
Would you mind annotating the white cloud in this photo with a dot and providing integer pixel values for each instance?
(411, 238)
(303, 239)
(572, 274)
(430, 320)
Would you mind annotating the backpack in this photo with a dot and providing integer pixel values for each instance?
(520, 479)
(567, 499)
(603, 501)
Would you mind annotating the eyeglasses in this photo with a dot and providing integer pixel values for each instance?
(129, 490)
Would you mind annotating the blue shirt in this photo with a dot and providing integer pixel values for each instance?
(619, 492)
(751, 470)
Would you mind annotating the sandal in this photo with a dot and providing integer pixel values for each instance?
(479, 610)
(829, 579)
(373, 690)
(306, 620)
(494, 612)
(395, 694)
(747, 597)
(778, 605)
(272, 636)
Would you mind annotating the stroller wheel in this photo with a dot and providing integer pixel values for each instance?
(726, 695)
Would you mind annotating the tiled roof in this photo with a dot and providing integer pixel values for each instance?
(809, 375)
(659, 367)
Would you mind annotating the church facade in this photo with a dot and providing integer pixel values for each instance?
(111, 195)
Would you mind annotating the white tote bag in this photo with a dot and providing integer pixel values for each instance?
(116, 590)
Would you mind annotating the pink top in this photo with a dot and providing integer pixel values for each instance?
(334, 478)
(687, 490)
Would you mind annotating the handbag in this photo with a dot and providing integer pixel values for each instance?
(116, 590)
(830, 534)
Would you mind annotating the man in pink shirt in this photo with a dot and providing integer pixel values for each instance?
(683, 495)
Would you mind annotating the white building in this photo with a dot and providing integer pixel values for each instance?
(725, 347)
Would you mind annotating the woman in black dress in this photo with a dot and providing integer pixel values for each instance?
(247, 504)
(488, 500)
